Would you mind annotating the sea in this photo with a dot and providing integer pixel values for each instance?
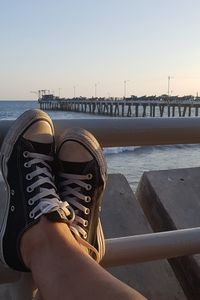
(129, 161)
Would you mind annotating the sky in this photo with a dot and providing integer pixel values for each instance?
(83, 47)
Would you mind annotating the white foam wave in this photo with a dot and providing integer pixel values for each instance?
(116, 150)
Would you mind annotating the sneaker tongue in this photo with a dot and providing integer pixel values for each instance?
(75, 167)
(42, 148)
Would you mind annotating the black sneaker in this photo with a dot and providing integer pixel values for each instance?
(81, 182)
(29, 190)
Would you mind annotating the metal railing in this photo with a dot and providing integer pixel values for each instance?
(115, 132)
(151, 246)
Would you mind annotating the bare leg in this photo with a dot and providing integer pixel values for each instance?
(62, 270)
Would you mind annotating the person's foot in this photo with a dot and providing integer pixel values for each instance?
(81, 178)
(26, 161)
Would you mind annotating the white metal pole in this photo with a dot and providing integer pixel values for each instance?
(116, 132)
(154, 246)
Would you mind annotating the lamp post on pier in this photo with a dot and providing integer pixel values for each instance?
(59, 89)
(95, 89)
(125, 87)
(74, 87)
(168, 84)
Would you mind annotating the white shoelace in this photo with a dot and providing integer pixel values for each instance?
(73, 197)
(46, 204)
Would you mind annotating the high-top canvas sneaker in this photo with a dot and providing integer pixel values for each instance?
(81, 179)
(26, 159)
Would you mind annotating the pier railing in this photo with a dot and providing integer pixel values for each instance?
(130, 132)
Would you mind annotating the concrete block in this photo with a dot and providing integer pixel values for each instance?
(171, 200)
(123, 216)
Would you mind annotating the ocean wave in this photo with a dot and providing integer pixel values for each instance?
(148, 149)
(116, 150)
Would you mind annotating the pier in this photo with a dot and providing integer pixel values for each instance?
(125, 107)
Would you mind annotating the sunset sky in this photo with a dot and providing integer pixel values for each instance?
(62, 44)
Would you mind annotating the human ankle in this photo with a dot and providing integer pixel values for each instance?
(43, 236)
(33, 240)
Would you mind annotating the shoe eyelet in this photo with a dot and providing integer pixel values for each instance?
(31, 215)
(28, 177)
(30, 202)
(26, 165)
(85, 236)
(12, 208)
(26, 154)
(89, 176)
(88, 187)
(29, 189)
(87, 211)
(85, 224)
(87, 199)
(12, 192)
